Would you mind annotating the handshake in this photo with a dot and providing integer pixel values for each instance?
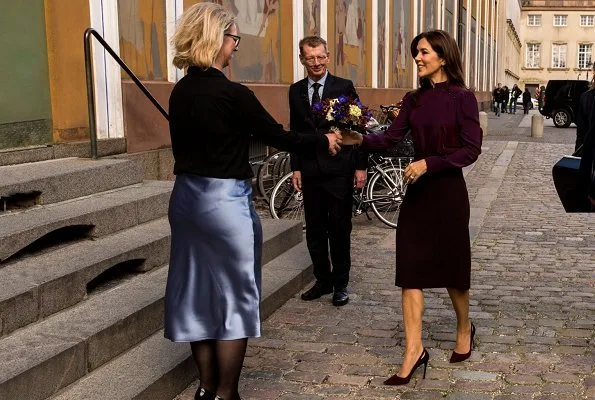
(337, 137)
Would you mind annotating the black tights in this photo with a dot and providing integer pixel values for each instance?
(220, 365)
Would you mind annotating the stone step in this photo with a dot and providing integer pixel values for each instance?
(79, 340)
(284, 276)
(29, 154)
(155, 369)
(67, 178)
(44, 357)
(36, 287)
(162, 369)
(106, 212)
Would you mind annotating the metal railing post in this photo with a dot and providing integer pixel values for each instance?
(90, 94)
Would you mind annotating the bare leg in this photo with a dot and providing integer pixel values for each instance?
(230, 359)
(460, 302)
(204, 354)
(413, 308)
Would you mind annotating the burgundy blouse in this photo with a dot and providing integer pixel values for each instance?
(444, 124)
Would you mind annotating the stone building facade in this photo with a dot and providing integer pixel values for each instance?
(558, 39)
(44, 98)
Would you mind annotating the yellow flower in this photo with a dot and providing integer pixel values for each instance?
(355, 111)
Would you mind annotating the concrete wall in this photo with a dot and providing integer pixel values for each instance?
(147, 129)
(25, 112)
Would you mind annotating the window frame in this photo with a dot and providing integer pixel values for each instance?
(590, 53)
(564, 16)
(533, 52)
(587, 17)
(537, 20)
(562, 55)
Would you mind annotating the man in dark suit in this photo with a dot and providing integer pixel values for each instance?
(326, 181)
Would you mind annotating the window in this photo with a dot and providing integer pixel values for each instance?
(534, 20)
(585, 52)
(587, 20)
(560, 20)
(533, 55)
(559, 55)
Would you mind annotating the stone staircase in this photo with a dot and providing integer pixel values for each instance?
(84, 246)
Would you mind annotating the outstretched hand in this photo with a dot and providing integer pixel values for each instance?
(351, 137)
(334, 142)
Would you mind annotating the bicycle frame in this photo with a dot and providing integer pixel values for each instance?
(378, 164)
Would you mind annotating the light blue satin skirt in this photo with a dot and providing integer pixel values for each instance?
(214, 281)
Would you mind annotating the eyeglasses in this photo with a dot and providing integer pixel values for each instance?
(235, 38)
(314, 59)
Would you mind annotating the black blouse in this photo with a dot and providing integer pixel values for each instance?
(211, 123)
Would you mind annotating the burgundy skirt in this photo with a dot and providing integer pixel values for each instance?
(433, 249)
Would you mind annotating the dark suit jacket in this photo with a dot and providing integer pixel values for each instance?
(301, 120)
(586, 123)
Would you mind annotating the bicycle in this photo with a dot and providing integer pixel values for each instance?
(271, 169)
(383, 192)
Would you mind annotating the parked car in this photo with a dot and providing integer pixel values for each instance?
(534, 103)
(561, 100)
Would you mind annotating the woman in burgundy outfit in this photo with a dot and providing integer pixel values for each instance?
(432, 240)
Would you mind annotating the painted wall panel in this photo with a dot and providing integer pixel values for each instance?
(311, 17)
(350, 37)
(401, 36)
(142, 25)
(25, 110)
(65, 26)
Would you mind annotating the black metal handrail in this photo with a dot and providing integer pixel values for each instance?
(91, 88)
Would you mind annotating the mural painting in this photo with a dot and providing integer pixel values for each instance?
(401, 62)
(143, 38)
(259, 58)
(381, 43)
(430, 15)
(350, 28)
(311, 17)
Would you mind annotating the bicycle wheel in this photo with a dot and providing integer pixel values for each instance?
(386, 191)
(286, 202)
(269, 173)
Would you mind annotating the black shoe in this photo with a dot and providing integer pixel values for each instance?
(397, 380)
(458, 357)
(203, 394)
(340, 297)
(319, 289)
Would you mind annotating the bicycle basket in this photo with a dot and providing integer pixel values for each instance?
(402, 149)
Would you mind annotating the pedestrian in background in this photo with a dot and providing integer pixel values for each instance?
(432, 238)
(514, 96)
(212, 298)
(498, 95)
(526, 100)
(505, 99)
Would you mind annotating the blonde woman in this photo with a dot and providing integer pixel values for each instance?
(213, 289)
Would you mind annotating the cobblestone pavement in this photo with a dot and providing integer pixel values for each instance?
(532, 301)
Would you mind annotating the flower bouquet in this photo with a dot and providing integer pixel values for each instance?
(343, 112)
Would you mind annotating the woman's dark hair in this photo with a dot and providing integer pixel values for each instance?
(446, 47)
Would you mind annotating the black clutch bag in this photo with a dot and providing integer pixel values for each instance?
(567, 180)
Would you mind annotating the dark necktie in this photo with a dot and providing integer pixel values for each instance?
(315, 94)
